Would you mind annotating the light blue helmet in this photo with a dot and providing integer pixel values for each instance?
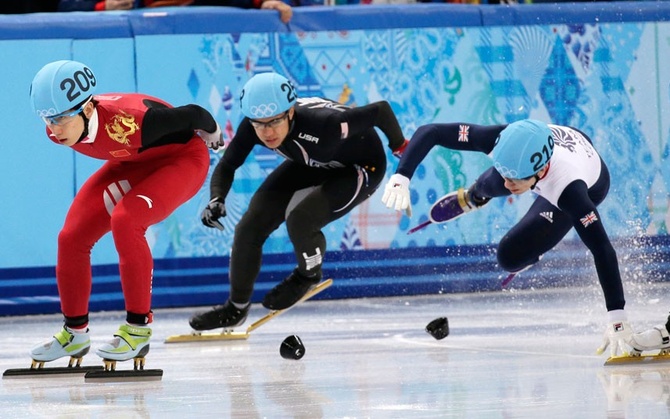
(266, 95)
(60, 86)
(522, 149)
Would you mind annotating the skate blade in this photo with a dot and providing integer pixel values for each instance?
(230, 335)
(207, 336)
(35, 372)
(508, 279)
(419, 227)
(642, 359)
(274, 313)
(123, 376)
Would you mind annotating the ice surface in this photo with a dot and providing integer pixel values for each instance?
(512, 354)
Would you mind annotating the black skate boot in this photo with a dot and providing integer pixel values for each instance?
(289, 291)
(225, 316)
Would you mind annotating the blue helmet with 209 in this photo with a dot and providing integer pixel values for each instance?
(266, 95)
(522, 149)
(61, 86)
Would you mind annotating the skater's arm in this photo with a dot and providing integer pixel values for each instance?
(377, 114)
(587, 221)
(455, 136)
(219, 186)
(222, 180)
(163, 125)
(575, 202)
(236, 153)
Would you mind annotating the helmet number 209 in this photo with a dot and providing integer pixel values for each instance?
(80, 83)
(540, 158)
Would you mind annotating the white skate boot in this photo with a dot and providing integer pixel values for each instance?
(66, 342)
(650, 340)
(130, 342)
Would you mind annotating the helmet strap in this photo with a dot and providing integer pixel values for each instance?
(84, 134)
(538, 178)
(291, 123)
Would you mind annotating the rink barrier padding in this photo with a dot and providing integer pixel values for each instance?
(356, 274)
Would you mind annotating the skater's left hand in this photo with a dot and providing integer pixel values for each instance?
(617, 334)
(214, 140)
(396, 194)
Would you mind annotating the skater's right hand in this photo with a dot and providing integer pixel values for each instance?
(396, 194)
(617, 334)
(211, 214)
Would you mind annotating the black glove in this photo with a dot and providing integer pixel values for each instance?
(211, 214)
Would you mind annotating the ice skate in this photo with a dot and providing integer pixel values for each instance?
(64, 343)
(289, 291)
(129, 342)
(228, 334)
(654, 339)
(226, 316)
(450, 207)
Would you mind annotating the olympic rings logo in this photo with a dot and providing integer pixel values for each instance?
(46, 112)
(506, 172)
(264, 110)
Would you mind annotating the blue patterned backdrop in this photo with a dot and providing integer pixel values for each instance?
(580, 75)
(597, 68)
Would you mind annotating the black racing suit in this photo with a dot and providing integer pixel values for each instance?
(334, 161)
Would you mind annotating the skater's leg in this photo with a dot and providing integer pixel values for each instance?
(540, 229)
(264, 215)
(86, 222)
(88, 219)
(155, 193)
(340, 193)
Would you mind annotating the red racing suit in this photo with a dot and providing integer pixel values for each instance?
(155, 163)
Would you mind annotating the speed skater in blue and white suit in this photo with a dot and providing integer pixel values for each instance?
(561, 166)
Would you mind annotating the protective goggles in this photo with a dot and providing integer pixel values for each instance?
(273, 123)
(65, 117)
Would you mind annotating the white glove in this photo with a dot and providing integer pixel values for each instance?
(620, 387)
(214, 140)
(617, 334)
(396, 194)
